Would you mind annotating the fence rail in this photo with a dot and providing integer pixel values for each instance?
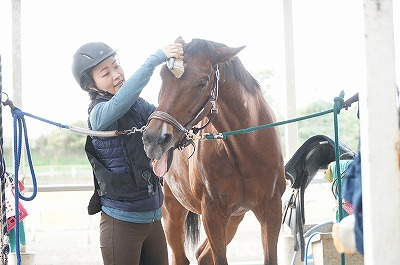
(61, 187)
(60, 178)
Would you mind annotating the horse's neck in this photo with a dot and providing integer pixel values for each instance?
(238, 109)
(243, 111)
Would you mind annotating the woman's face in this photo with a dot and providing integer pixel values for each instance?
(108, 75)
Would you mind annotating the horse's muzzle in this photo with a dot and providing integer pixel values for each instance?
(157, 140)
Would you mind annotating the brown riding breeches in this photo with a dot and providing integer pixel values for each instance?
(125, 243)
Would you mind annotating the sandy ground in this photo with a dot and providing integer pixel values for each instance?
(59, 231)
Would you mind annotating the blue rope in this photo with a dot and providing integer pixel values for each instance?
(307, 234)
(308, 244)
(20, 114)
(20, 130)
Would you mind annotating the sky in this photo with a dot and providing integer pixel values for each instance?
(328, 42)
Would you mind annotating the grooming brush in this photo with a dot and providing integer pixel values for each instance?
(176, 66)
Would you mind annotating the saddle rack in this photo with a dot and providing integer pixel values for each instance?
(314, 154)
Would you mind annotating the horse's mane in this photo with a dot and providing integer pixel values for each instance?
(233, 68)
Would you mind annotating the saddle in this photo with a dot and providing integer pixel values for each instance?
(314, 154)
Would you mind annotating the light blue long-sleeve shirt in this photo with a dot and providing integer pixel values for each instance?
(104, 117)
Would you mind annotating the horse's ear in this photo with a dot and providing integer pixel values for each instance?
(225, 54)
(180, 40)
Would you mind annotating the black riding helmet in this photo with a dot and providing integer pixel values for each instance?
(85, 58)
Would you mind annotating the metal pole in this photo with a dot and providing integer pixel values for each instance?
(379, 125)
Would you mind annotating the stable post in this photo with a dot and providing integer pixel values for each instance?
(26, 258)
(291, 142)
(379, 125)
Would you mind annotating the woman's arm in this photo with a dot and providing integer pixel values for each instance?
(106, 113)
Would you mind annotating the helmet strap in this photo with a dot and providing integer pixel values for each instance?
(99, 91)
(90, 83)
(88, 80)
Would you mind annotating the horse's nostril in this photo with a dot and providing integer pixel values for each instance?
(166, 138)
(160, 139)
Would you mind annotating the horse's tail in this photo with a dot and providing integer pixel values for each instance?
(192, 227)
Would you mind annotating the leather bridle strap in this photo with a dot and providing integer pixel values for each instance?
(213, 99)
(161, 115)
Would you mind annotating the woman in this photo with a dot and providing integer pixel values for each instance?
(131, 232)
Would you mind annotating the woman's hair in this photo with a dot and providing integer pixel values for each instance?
(92, 95)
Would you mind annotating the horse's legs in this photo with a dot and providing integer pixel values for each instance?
(214, 225)
(215, 222)
(174, 216)
(204, 255)
(270, 221)
(232, 227)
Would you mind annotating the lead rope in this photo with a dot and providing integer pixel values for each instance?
(338, 103)
(19, 130)
(5, 247)
(17, 112)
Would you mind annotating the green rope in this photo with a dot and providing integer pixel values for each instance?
(336, 110)
(224, 135)
(338, 102)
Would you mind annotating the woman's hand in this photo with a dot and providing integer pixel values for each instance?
(173, 50)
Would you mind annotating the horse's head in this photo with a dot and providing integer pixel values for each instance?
(185, 101)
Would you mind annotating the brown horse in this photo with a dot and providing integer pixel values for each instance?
(218, 179)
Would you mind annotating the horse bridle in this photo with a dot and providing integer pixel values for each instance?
(186, 129)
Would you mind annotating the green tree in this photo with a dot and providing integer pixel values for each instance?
(347, 119)
(263, 78)
(61, 147)
(348, 123)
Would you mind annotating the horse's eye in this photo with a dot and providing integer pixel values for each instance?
(202, 85)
